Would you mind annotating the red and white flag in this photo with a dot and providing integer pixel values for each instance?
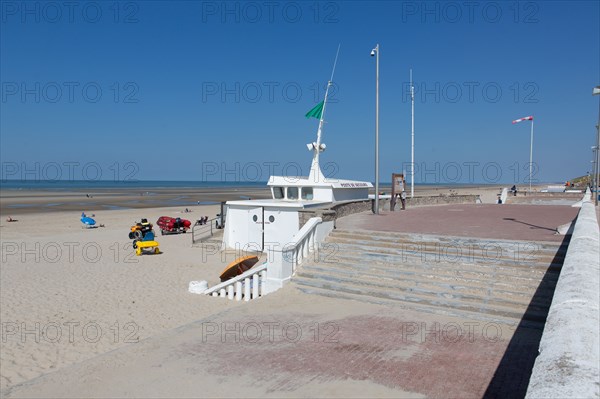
(527, 118)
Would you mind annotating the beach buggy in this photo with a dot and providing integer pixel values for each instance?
(143, 237)
(140, 229)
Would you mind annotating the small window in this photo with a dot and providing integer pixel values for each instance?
(292, 193)
(255, 218)
(307, 193)
(278, 192)
(271, 218)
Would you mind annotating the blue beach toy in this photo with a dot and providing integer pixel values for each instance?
(87, 220)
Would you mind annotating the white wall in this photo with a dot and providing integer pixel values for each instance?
(322, 194)
(284, 226)
(345, 194)
(242, 232)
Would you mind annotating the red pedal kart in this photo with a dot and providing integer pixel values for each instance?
(169, 225)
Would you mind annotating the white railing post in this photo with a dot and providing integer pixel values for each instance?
(255, 286)
(230, 291)
(246, 289)
(238, 290)
(263, 281)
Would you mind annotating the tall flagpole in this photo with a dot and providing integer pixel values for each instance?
(412, 148)
(531, 155)
(374, 52)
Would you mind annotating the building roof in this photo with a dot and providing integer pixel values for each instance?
(303, 181)
(281, 203)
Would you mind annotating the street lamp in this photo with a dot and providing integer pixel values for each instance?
(596, 92)
(528, 118)
(374, 52)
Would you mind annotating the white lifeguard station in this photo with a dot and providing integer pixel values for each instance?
(259, 224)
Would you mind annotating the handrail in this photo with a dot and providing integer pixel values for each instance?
(202, 228)
(250, 285)
(301, 245)
(308, 227)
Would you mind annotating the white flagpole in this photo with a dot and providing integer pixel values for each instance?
(531, 156)
(412, 135)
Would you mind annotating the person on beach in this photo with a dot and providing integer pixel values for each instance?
(513, 189)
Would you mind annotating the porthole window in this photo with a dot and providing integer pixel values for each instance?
(292, 193)
(271, 218)
(255, 218)
(307, 193)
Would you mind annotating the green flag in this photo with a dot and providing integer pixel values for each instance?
(316, 111)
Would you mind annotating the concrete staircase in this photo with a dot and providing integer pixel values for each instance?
(493, 280)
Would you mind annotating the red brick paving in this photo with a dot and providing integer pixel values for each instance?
(509, 222)
(381, 349)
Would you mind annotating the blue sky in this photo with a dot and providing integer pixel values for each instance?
(207, 90)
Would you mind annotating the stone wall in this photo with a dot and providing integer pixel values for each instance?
(441, 200)
(569, 361)
(331, 213)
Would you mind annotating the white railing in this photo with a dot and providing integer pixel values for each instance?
(248, 285)
(303, 243)
(283, 263)
(280, 266)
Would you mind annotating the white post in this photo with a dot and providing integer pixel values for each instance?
(376, 210)
(263, 281)
(255, 284)
(412, 135)
(247, 289)
(531, 156)
(230, 291)
(238, 290)
(596, 92)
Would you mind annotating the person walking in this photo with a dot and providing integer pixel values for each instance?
(403, 199)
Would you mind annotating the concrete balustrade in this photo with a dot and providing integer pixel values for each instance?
(568, 364)
(282, 263)
(246, 286)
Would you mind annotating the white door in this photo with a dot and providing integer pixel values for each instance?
(256, 229)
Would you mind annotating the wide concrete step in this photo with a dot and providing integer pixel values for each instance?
(436, 301)
(419, 307)
(500, 290)
(360, 254)
(452, 291)
(527, 253)
(411, 238)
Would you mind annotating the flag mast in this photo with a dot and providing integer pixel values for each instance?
(412, 135)
(531, 154)
(315, 170)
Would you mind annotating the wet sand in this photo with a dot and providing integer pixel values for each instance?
(19, 202)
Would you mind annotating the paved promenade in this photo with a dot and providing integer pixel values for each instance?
(510, 222)
(293, 345)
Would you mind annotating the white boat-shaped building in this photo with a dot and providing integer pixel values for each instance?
(260, 224)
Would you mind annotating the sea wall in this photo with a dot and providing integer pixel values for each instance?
(568, 364)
